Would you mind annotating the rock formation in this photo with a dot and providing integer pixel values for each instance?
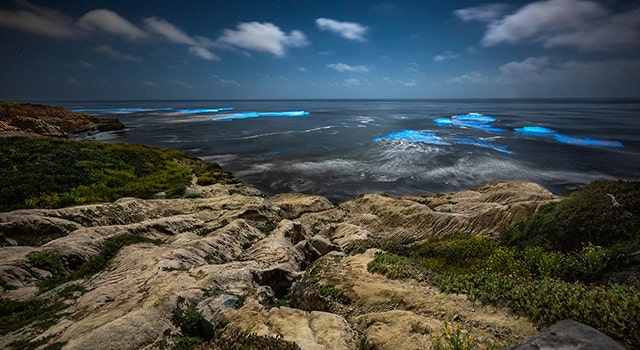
(230, 240)
(52, 120)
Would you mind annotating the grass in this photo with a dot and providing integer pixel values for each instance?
(43, 172)
(562, 263)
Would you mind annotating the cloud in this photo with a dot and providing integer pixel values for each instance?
(484, 13)
(543, 69)
(168, 31)
(408, 82)
(203, 53)
(198, 46)
(343, 67)
(445, 56)
(112, 23)
(582, 24)
(474, 77)
(347, 30)
(263, 37)
(39, 20)
(115, 54)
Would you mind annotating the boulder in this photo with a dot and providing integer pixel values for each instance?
(569, 335)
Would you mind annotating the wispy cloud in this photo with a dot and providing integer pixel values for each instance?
(445, 56)
(483, 13)
(407, 82)
(263, 37)
(39, 20)
(115, 54)
(343, 67)
(347, 30)
(48, 22)
(110, 22)
(543, 69)
(470, 77)
(168, 31)
(583, 24)
(204, 53)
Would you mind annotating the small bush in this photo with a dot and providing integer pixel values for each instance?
(46, 260)
(189, 320)
(395, 267)
(602, 213)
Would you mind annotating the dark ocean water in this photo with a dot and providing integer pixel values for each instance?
(341, 148)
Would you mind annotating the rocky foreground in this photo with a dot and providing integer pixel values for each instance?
(229, 242)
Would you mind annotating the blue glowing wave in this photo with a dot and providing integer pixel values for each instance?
(578, 141)
(535, 130)
(247, 115)
(204, 110)
(433, 139)
(413, 136)
(586, 141)
(470, 120)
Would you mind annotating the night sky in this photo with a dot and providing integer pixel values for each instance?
(275, 49)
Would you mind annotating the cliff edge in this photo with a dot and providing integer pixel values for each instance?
(52, 121)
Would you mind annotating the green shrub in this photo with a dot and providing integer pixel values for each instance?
(51, 173)
(602, 213)
(188, 319)
(394, 266)
(46, 260)
(460, 253)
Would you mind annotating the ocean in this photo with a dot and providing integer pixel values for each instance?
(342, 148)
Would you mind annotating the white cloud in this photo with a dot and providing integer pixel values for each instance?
(115, 54)
(483, 13)
(203, 53)
(343, 67)
(39, 20)
(263, 37)
(583, 24)
(168, 31)
(407, 82)
(110, 22)
(445, 56)
(347, 30)
(474, 77)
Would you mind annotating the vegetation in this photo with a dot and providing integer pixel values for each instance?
(40, 313)
(41, 172)
(197, 333)
(52, 262)
(564, 262)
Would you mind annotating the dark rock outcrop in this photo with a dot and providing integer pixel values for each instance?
(53, 120)
(567, 335)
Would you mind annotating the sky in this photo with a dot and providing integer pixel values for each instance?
(299, 49)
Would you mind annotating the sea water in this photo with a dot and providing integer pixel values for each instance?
(342, 148)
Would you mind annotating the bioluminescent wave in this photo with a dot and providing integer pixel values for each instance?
(430, 138)
(586, 141)
(413, 136)
(471, 120)
(248, 115)
(535, 130)
(570, 140)
(205, 110)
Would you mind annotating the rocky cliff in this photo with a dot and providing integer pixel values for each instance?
(230, 241)
(51, 120)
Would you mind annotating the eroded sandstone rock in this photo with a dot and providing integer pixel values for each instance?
(231, 240)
